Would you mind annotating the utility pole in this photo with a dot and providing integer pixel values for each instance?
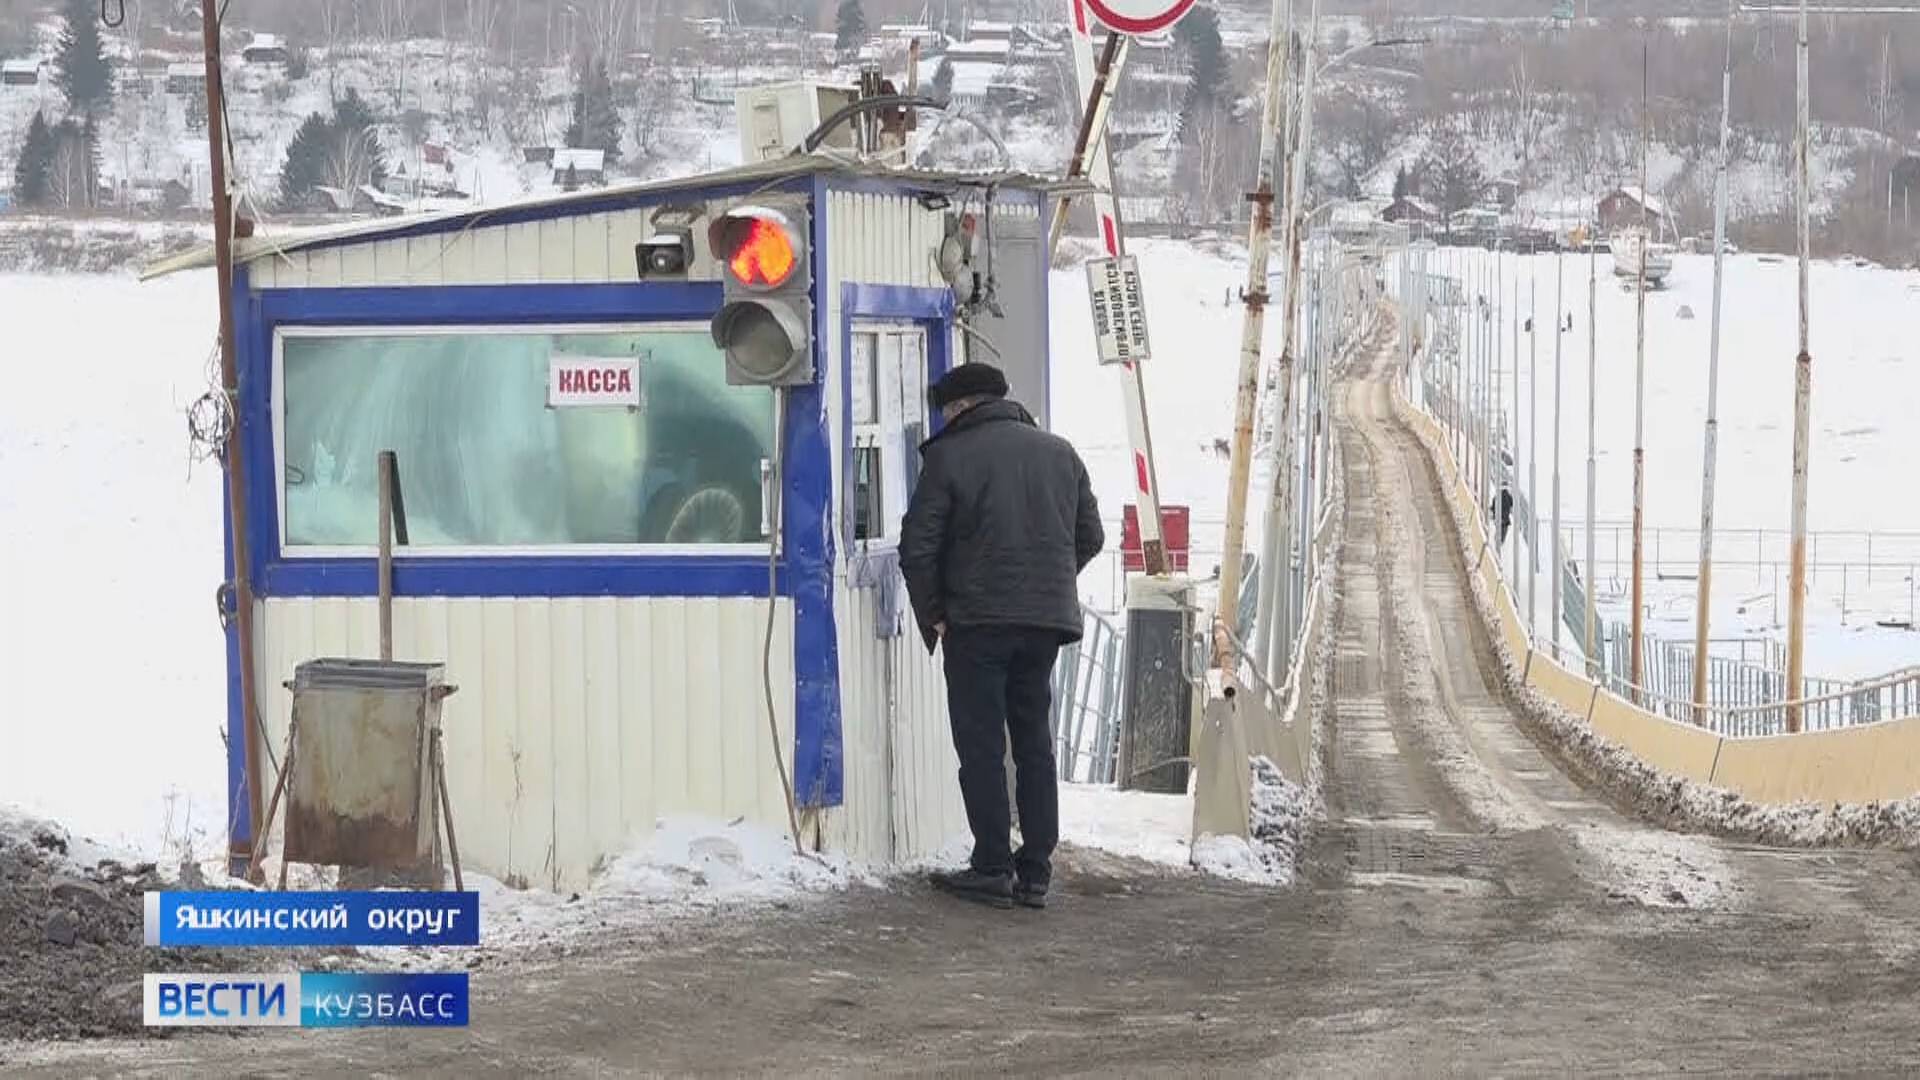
(1802, 407)
(1640, 390)
(1254, 297)
(1533, 451)
(1278, 539)
(1553, 548)
(1593, 472)
(239, 853)
(1703, 601)
(1513, 473)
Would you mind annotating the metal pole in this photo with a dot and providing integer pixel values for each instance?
(1802, 408)
(1513, 473)
(1640, 391)
(239, 853)
(1259, 242)
(1553, 548)
(1703, 601)
(1533, 452)
(1093, 126)
(1593, 383)
(1278, 529)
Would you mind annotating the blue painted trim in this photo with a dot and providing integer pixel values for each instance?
(259, 314)
(612, 201)
(513, 575)
(453, 305)
(819, 754)
(239, 808)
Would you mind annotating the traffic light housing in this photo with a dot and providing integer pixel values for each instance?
(765, 322)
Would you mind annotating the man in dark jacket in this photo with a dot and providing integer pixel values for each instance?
(1001, 524)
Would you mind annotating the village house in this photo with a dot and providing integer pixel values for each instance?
(1623, 207)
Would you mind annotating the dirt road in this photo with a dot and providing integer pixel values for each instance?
(1464, 910)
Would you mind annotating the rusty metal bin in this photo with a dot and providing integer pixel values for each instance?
(361, 792)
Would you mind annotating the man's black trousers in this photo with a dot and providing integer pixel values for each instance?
(999, 683)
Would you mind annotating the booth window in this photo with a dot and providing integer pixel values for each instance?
(486, 462)
(888, 373)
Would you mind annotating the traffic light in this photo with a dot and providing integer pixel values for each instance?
(766, 314)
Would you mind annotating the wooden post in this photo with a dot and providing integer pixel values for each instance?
(238, 853)
(386, 469)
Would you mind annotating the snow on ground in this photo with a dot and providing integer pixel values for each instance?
(689, 866)
(110, 650)
(1158, 829)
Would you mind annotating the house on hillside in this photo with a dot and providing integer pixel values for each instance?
(186, 79)
(1410, 209)
(265, 49)
(574, 169)
(1503, 191)
(20, 72)
(1622, 207)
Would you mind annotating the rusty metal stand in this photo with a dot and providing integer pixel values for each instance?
(273, 807)
(446, 808)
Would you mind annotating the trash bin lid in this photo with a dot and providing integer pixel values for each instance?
(341, 673)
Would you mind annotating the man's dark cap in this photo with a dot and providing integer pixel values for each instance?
(968, 380)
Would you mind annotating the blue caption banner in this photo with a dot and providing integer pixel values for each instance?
(326, 919)
(309, 999)
(383, 1000)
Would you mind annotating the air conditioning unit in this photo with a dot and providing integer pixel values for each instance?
(775, 118)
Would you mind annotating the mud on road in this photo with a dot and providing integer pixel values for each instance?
(1465, 909)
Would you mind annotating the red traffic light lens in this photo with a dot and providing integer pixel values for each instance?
(763, 256)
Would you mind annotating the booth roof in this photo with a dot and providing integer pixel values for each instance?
(290, 240)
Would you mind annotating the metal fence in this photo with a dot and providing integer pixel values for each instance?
(1086, 703)
(1870, 572)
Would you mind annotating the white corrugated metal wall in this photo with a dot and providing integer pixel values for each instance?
(578, 721)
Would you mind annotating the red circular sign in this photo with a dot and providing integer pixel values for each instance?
(1140, 16)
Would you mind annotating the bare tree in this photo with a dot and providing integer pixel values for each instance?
(608, 24)
(656, 102)
(335, 16)
(1526, 114)
(68, 176)
(350, 160)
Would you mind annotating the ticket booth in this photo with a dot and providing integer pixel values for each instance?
(631, 516)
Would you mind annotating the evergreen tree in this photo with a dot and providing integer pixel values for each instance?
(595, 124)
(306, 167)
(336, 151)
(849, 25)
(943, 80)
(1199, 37)
(1402, 183)
(80, 66)
(32, 174)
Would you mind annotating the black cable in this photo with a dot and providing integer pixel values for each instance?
(113, 22)
(864, 105)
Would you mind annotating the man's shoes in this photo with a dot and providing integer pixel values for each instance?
(993, 890)
(1029, 896)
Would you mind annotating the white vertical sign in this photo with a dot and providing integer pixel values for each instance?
(1119, 310)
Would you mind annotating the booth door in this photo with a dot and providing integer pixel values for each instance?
(889, 419)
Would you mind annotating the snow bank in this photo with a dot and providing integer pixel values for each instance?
(1157, 829)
